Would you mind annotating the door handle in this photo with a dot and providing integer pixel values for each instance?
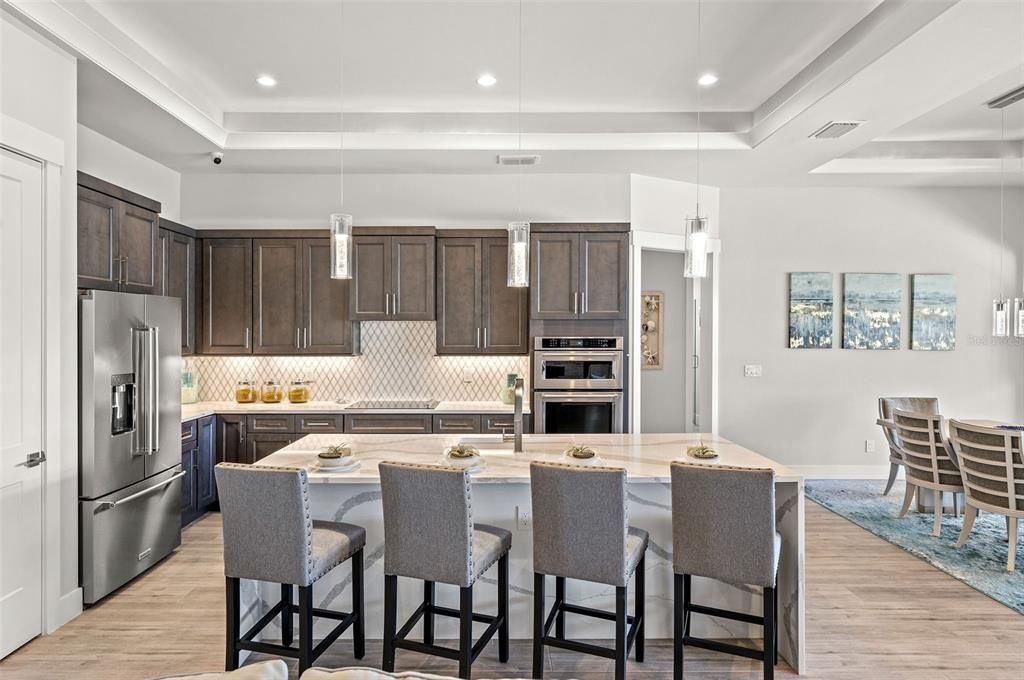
(297, 344)
(485, 337)
(247, 338)
(305, 338)
(576, 302)
(34, 459)
(478, 337)
(583, 301)
(107, 505)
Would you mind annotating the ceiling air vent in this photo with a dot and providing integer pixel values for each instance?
(836, 128)
(521, 159)
(1007, 98)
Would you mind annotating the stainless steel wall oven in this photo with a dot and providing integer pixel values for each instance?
(578, 384)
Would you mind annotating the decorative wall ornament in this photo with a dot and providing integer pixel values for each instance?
(810, 310)
(933, 312)
(872, 311)
(652, 325)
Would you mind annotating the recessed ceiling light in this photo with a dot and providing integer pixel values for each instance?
(266, 80)
(486, 80)
(707, 80)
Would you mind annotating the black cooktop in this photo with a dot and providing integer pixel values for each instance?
(394, 405)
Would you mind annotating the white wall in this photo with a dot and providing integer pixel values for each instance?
(663, 392)
(816, 408)
(212, 200)
(104, 158)
(37, 88)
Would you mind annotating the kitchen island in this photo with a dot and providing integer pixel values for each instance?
(501, 496)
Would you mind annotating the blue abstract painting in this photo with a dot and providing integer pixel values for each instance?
(810, 310)
(933, 312)
(872, 311)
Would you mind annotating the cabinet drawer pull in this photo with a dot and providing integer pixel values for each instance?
(318, 423)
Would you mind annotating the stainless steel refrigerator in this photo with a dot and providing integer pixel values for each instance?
(129, 436)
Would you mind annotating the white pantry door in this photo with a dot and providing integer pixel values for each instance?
(21, 400)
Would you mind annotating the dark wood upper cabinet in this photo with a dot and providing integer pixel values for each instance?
(459, 295)
(176, 277)
(98, 263)
(554, 276)
(477, 313)
(325, 304)
(393, 278)
(276, 296)
(505, 315)
(227, 296)
(579, 275)
(117, 238)
(603, 276)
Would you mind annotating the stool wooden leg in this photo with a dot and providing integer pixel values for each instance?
(538, 625)
(775, 608)
(465, 632)
(305, 628)
(638, 609)
(503, 608)
(286, 615)
(390, 612)
(687, 595)
(359, 625)
(678, 618)
(233, 622)
(620, 632)
(768, 603)
(428, 616)
(559, 601)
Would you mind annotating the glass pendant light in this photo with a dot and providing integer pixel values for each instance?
(695, 254)
(519, 232)
(341, 223)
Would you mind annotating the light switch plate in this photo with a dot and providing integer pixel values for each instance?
(869, 446)
(752, 371)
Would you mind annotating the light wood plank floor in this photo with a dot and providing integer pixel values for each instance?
(874, 613)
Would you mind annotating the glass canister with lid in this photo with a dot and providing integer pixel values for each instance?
(299, 391)
(272, 392)
(245, 392)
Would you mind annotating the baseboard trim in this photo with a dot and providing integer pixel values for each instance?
(843, 471)
(69, 606)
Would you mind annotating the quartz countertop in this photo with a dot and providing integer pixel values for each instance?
(205, 408)
(646, 457)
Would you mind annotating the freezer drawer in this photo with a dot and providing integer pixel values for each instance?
(127, 532)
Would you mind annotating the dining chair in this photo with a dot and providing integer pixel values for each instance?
(993, 477)
(922, 447)
(886, 406)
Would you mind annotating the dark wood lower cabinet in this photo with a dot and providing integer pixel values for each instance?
(261, 445)
(198, 457)
(380, 423)
(230, 438)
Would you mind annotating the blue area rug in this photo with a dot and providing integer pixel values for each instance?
(981, 563)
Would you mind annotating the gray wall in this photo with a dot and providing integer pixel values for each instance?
(663, 394)
(817, 407)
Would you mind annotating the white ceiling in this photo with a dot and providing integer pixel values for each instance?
(608, 87)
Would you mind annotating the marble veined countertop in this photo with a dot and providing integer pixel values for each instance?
(646, 457)
(205, 408)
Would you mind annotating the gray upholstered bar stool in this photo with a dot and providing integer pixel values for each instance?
(269, 535)
(723, 527)
(429, 535)
(581, 531)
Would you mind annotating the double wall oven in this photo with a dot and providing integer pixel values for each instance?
(577, 385)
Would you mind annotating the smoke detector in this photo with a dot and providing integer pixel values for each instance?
(519, 159)
(836, 128)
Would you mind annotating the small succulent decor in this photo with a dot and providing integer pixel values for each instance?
(581, 452)
(339, 451)
(702, 451)
(462, 451)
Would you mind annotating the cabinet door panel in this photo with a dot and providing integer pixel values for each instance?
(227, 296)
(505, 313)
(176, 277)
(276, 422)
(500, 424)
(412, 272)
(371, 278)
(206, 459)
(325, 305)
(603, 276)
(260, 446)
(554, 270)
(456, 423)
(277, 302)
(459, 297)
(404, 423)
(136, 246)
(188, 484)
(97, 240)
(230, 438)
(319, 422)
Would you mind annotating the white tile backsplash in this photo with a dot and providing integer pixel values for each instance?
(398, 362)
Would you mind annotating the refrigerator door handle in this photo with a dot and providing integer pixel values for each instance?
(147, 378)
(128, 499)
(154, 391)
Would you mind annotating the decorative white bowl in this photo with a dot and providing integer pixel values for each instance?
(343, 464)
(572, 460)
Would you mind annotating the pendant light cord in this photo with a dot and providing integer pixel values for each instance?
(698, 104)
(1002, 203)
(341, 113)
(519, 117)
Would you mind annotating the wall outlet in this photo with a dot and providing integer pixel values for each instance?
(752, 371)
(468, 377)
(524, 518)
(869, 446)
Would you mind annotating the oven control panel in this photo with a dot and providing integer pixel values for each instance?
(578, 343)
